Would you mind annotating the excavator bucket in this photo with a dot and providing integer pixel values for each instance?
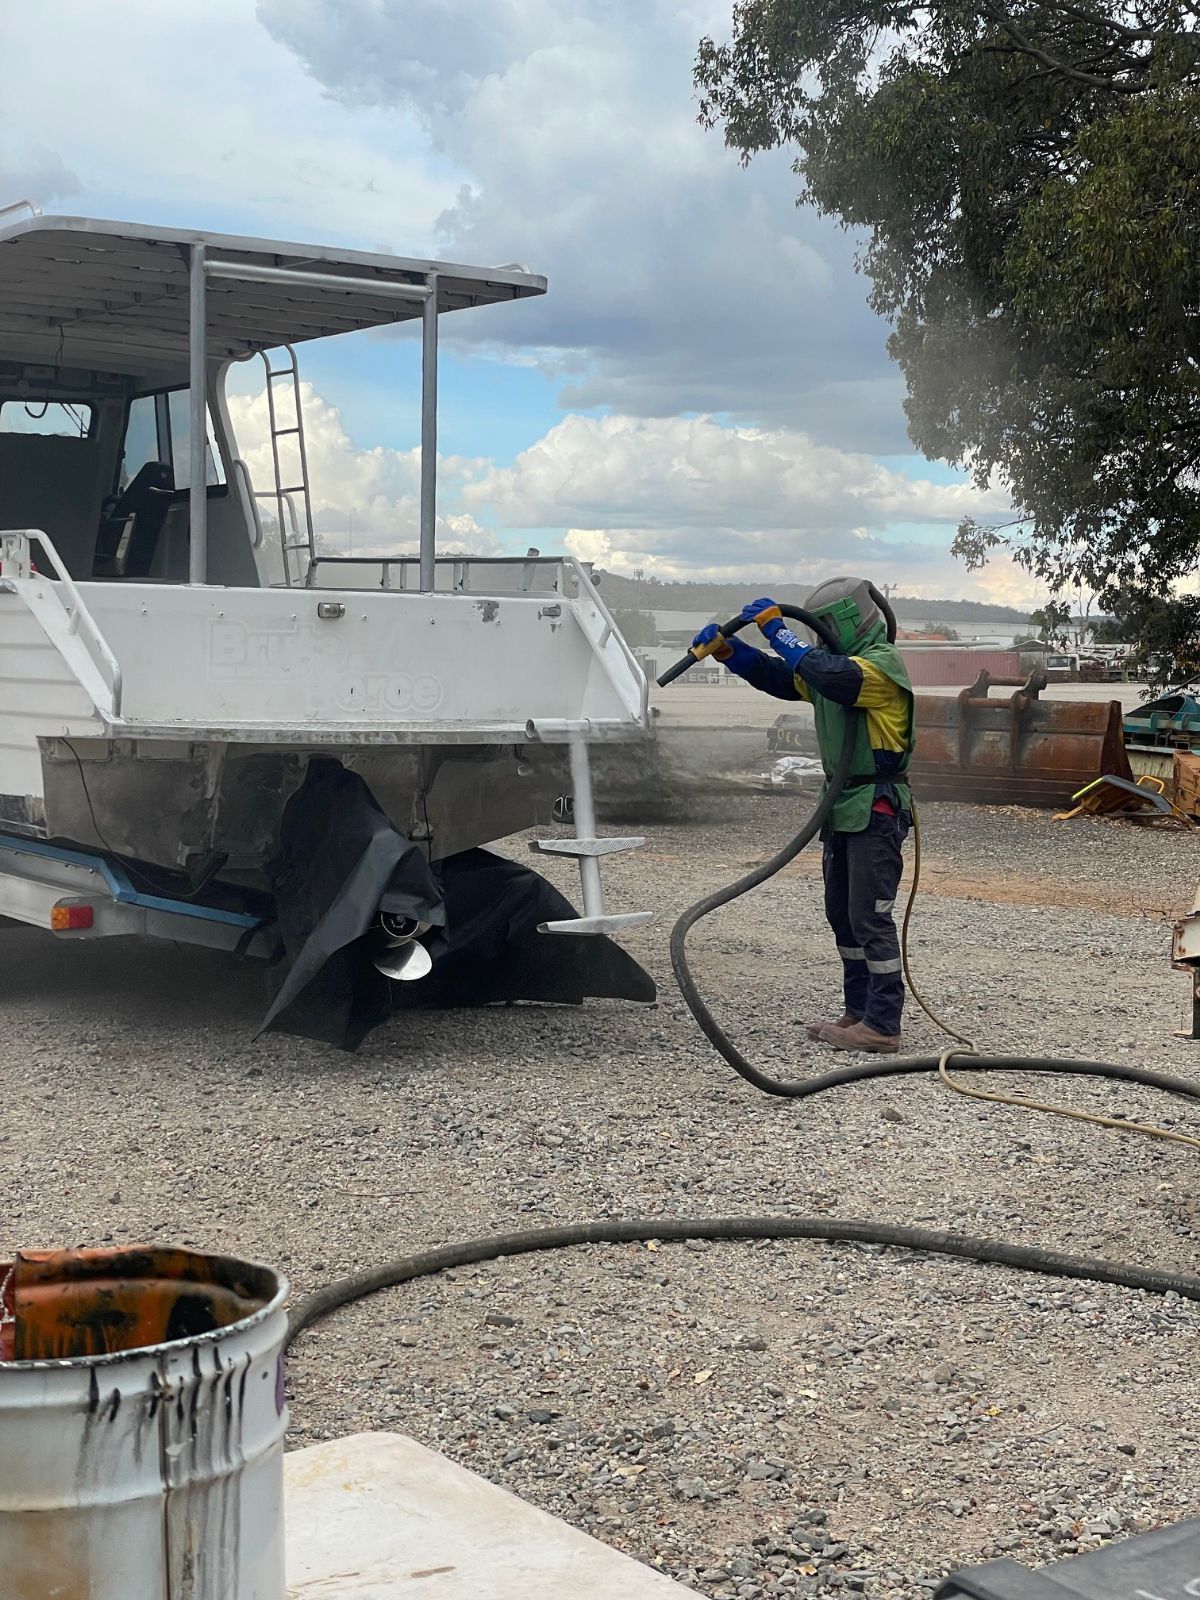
(1021, 750)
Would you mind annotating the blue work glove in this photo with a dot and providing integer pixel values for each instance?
(710, 642)
(765, 614)
(732, 652)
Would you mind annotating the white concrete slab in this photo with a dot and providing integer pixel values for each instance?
(376, 1516)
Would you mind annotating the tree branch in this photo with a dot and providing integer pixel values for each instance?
(1097, 19)
(1026, 46)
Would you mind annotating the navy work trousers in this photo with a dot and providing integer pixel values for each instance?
(862, 876)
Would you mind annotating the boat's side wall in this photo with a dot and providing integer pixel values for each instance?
(39, 694)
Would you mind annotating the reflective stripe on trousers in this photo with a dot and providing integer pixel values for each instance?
(862, 876)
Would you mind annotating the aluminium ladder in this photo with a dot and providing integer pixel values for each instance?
(297, 543)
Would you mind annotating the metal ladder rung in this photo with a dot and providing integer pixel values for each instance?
(282, 433)
(298, 488)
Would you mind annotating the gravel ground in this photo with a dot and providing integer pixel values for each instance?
(758, 1420)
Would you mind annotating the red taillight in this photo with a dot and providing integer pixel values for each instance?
(65, 918)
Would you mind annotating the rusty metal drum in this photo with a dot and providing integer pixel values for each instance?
(142, 1420)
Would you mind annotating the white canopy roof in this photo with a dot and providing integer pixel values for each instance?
(113, 296)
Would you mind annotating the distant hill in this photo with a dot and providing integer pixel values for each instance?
(912, 606)
(724, 600)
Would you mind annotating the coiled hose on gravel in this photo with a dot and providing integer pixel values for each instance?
(1027, 1258)
(495, 1246)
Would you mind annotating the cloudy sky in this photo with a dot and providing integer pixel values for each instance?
(702, 392)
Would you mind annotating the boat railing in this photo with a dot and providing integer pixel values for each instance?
(287, 497)
(395, 572)
(610, 632)
(16, 561)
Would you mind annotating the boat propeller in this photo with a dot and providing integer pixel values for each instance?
(398, 951)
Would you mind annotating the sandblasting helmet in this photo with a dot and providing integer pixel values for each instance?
(846, 605)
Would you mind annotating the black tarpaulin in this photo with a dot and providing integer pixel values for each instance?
(341, 861)
(493, 951)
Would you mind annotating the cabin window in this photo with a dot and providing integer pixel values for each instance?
(141, 439)
(57, 419)
(180, 426)
(157, 429)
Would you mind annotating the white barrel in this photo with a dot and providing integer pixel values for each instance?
(155, 1472)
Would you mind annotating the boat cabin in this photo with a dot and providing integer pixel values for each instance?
(115, 343)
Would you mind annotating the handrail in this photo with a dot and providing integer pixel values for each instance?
(31, 206)
(447, 561)
(611, 630)
(269, 494)
(290, 500)
(79, 618)
(304, 277)
(252, 495)
(386, 563)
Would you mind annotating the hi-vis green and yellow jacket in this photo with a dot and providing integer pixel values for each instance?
(875, 680)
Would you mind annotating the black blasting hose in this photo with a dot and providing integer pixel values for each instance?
(496, 1246)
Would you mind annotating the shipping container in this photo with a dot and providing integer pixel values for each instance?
(947, 667)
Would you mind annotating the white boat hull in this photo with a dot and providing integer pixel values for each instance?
(172, 723)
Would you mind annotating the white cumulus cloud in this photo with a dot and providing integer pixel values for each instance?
(365, 501)
(688, 497)
(678, 281)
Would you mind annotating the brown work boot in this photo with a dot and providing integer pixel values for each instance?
(859, 1037)
(816, 1030)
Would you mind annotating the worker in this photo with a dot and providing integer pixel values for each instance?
(861, 859)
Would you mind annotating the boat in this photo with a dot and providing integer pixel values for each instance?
(178, 646)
